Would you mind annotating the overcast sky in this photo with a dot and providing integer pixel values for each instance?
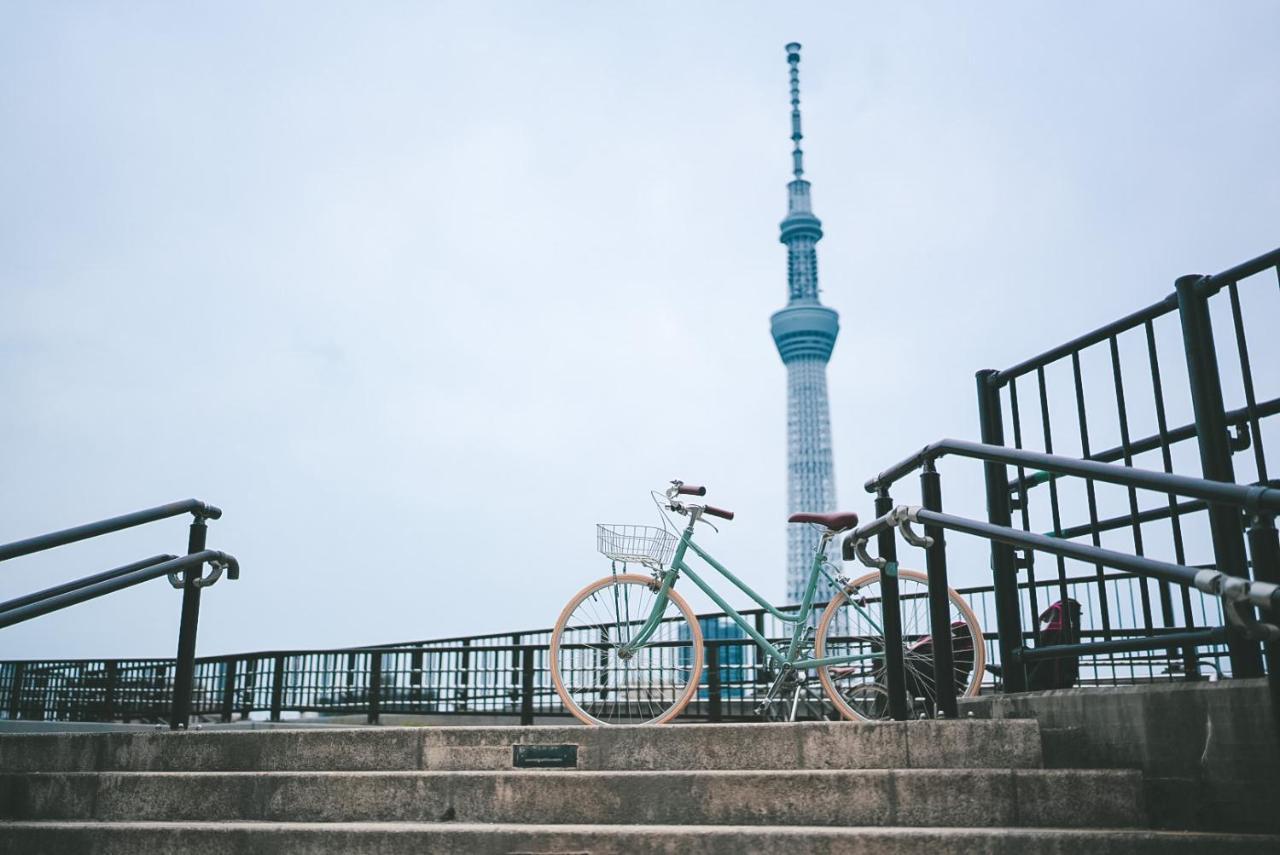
(419, 293)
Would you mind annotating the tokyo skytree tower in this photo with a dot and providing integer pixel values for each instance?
(805, 332)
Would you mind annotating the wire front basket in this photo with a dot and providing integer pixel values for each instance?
(643, 544)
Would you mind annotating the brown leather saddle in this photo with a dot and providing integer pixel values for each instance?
(839, 521)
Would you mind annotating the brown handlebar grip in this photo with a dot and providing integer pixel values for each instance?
(717, 512)
(691, 490)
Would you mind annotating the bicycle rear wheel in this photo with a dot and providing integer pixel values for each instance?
(852, 625)
(598, 683)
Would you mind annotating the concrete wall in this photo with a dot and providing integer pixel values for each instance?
(1208, 750)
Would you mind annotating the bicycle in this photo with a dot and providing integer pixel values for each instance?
(627, 649)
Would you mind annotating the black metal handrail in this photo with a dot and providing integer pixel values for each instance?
(184, 572)
(42, 542)
(1237, 591)
(1233, 590)
(82, 583)
(1252, 498)
(92, 587)
(1263, 594)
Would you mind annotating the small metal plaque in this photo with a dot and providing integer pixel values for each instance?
(544, 756)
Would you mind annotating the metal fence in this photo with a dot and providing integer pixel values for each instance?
(492, 675)
(1147, 390)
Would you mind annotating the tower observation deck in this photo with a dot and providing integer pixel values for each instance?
(805, 333)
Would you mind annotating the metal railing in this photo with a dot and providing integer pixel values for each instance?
(1240, 594)
(1126, 361)
(1230, 508)
(186, 573)
(485, 675)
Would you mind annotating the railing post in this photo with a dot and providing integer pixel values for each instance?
(515, 666)
(109, 694)
(15, 691)
(464, 675)
(1003, 562)
(526, 686)
(895, 676)
(277, 687)
(375, 687)
(713, 682)
(415, 678)
(250, 694)
(1215, 451)
(185, 666)
(229, 688)
(1264, 546)
(944, 677)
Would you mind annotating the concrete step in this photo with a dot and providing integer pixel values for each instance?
(248, 838)
(919, 797)
(1008, 743)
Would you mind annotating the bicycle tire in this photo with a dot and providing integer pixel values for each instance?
(869, 686)
(585, 686)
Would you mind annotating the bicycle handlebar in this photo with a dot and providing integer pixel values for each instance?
(717, 512)
(691, 490)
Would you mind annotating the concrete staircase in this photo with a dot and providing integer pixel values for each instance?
(917, 787)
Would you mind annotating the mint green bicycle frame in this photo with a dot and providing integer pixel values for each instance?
(800, 618)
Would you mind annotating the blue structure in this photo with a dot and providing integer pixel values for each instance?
(734, 675)
(805, 333)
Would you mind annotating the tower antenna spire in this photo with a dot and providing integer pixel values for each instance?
(797, 155)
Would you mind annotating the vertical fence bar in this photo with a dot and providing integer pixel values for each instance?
(1055, 509)
(1215, 451)
(761, 673)
(229, 689)
(1091, 496)
(1190, 659)
(713, 681)
(248, 698)
(895, 674)
(277, 687)
(464, 676)
(375, 688)
(526, 685)
(1003, 561)
(516, 671)
(1246, 374)
(1265, 549)
(15, 691)
(1024, 508)
(1117, 379)
(185, 666)
(415, 677)
(109, 695)
(944, 674)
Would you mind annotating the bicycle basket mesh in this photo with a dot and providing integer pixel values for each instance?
(645, 544)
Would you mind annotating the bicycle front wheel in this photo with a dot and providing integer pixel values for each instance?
(598, 680)
(852, 625)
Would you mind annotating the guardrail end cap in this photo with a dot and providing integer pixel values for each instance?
(206, 511)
